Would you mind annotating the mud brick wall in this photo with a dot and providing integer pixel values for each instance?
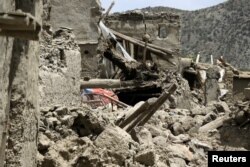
(19, 93)
(77, 14)
(24, 109)
(59, 83)
(89, 60)
(163, 28)
(82, 17)
(5, 59)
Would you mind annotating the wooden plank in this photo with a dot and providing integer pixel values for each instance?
(31, 35)
(116, 101)
(18, 20)
(17, 28)
(109, 83)
(101, 83)
(124, 44)
(133, 113)
(19, 25)
(151, 47)
(158, 103)
(145, 53)
(143, 116)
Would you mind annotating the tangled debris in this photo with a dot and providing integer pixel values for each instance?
(178, 131)
(157, 118)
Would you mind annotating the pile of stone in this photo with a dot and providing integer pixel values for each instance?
(85, 137)
(53, 47)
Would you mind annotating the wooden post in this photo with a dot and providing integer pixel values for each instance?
(124, 44)
(133, 113)
(144, 112)
(132, 54)
(145, 52)
(158, 103)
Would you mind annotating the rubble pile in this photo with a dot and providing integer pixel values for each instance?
(71, 136)
(53, 47)
(59, 68)
(175, 129)
(148, 106)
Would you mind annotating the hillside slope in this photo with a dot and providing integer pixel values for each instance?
(222, 30)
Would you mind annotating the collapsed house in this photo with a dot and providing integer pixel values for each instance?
(145, 47)
(156, 119)
(231, 82)
(66, 44)
(163, 30)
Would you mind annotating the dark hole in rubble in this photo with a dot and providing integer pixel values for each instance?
(80, 128)
(86, 52)
(43, 151)
(192, 80)
(62, 57)
(133, 97)
(89, 124)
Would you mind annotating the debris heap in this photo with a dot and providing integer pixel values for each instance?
(172, 129)
(82, 136)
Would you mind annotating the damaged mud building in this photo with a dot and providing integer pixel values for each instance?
(79, 87)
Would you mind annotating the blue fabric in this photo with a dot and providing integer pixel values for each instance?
(86, 91)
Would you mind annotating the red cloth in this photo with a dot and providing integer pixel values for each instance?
(109, 93)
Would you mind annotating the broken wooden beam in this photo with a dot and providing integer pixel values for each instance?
(108, 83)
(133, 113)
(151, 47)
(30, 35)
(5, 18)
(129, 68)
(136, 120)
(119, 103)
(158, 103)
(29, 27)
(19, 25)
(144, 112)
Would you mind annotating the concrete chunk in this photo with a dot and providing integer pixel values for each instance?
(146, 157)
(116, 143)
